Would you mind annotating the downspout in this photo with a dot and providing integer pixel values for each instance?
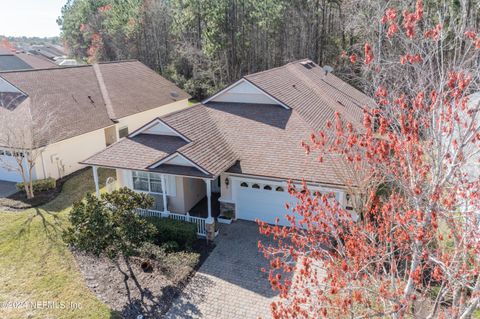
(44, 168)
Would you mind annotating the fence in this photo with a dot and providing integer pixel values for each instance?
(200, 222)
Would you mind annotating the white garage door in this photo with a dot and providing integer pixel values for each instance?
(6, 174)
(263, 201)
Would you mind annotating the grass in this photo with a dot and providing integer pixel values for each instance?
(37, 267)
(193, 102)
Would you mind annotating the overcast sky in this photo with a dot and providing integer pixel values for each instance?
(30, 17)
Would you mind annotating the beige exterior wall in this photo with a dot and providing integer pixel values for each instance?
(136, 121)
(226, 191)
(188, 191)
(62, 158)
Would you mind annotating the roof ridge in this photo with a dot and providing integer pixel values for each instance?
(104, 91)
(68, 67)
(278, 67)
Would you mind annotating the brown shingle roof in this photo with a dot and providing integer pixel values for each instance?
(134, 88)
(72, 96)
(264, 140)
(313, 93)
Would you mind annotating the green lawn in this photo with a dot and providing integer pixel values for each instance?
(37, 267)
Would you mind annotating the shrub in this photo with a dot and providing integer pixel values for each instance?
(109, 224)
(168, 230)
(171, 246)
(39, 185)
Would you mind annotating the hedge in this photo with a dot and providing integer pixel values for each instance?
(168, 230)
(40, 185)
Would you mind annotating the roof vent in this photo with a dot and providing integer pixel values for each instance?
(308, 64)
(174, 95)
(327, 69)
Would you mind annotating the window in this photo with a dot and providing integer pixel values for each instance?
(147, 182)
(244, 184)
(267, 187)
(122, 132)
(256, 186)
(279, 189)
(10, 96)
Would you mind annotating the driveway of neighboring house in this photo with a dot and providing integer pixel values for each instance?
(229, 284)
(7, 189)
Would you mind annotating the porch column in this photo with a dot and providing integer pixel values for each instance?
(209, 198)
(95, 179)
(210, 221)
(164, 193)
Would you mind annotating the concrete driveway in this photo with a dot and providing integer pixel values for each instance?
(7, 189)
(229, 284)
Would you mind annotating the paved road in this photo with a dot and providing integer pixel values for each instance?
(229, 284)
(7, 189)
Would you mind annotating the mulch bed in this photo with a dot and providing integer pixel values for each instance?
(148, 293)
(19, 201)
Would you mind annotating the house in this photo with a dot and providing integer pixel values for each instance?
(237, 150)
(85, 109)
(11, 60)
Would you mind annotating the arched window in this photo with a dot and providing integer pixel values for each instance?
(256, 186)
(267, 187)
(279, 189)
(244, 184)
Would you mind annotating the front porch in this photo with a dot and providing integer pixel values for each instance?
(201, 208)
(186, 198)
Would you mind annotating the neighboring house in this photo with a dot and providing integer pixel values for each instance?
(21, 60)
(86, 108)
(238, 149)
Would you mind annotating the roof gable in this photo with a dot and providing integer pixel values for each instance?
(244, 91)
(158, 127)
(177, 159)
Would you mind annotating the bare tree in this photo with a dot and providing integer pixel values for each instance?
(23, 140)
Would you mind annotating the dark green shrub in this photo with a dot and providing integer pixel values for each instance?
(183, 233)
(171, 246)
(110, 224)
(39, 185)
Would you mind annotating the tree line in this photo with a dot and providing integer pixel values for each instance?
(203, 45)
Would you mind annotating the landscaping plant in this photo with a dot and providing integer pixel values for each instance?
(110, 224)
(412, 247)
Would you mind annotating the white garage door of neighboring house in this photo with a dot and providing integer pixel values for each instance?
(262, 200)
(9, 175)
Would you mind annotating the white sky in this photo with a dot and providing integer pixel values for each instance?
(30, 17)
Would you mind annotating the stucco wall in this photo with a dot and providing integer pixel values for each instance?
(62, 158)
(226, 191)
(193, 191)
(188, 191)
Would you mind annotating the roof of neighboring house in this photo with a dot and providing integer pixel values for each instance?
(255, 139)
(11, 60)
(82, 99)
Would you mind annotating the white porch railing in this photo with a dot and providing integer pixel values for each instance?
(200, 222)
